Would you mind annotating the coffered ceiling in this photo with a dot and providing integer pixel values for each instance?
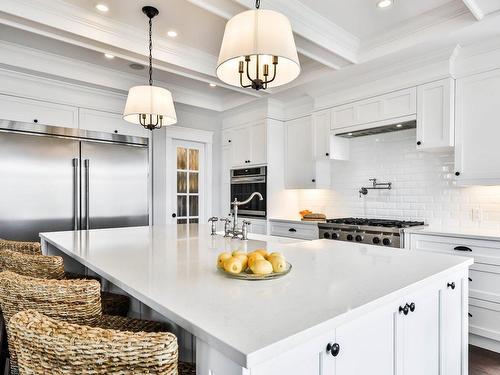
(331, 36)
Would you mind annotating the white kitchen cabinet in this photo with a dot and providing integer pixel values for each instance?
(248, 144)
(38, 112)
(294, 229)
(477, 155)
(436, 115)
(326, 146)
(108, 122)
(395, 105)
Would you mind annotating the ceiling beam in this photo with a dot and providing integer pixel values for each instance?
(474, 8)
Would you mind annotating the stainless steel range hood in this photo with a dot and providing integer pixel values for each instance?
(378, 130)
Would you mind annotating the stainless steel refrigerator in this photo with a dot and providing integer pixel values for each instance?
(55, 179)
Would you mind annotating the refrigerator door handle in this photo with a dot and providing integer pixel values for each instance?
(75, 194)
(87, 193)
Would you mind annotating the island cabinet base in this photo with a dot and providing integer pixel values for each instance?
(424, 332)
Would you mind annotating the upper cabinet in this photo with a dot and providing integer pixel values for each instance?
(107, 122)
(388, 107)
(477, 155)
(321, 122)
(435, 115)
(248, 144)
(38, 112)
(300, 172)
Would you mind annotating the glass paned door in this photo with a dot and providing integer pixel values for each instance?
(188, 177)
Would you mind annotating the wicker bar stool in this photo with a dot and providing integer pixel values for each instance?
(24, 247)
(45, 345)
(52, 267)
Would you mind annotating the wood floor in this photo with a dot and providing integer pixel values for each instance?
(483, 362)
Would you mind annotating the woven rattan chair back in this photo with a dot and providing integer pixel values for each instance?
(45, 345)
(21, 246)
(40, 266)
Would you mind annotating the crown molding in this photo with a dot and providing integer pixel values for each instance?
(44, 64)
(474, 8)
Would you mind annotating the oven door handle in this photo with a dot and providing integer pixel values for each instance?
(247, 180)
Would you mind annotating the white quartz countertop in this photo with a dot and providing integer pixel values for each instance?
(173, 270)
(472, 233)
(296, 221)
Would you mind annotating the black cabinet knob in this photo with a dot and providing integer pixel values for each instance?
(174, 215)
(451, 285)
(229, 140)
(116, 131)
(35, 121)
(470, 315)
(334, 349)
(327, 154)
(470, 279)
(313, 180)
(412, 307)
(419, 143)
(405, 310)
(457, 174)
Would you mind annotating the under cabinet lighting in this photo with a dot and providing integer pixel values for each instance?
(172, 33)
(384, 3)
(102, 8)
(349, 134)
(109, 56)
(212, 85)
(399, 126)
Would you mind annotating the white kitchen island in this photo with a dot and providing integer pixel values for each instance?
(345, 309)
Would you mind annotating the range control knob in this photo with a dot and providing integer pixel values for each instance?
(386, 241)
(376, 240)
(326, 235)
(350, 237)
(359, 238)
(335, 236)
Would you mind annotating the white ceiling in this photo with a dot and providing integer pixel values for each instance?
(332, 37)
(363, 18)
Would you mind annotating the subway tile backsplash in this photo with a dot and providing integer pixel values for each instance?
(423, 186)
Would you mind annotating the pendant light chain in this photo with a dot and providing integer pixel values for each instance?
(150, 52)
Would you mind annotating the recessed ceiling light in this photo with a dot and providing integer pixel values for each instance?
(102, 7)
(399, 126)
(384, 3)
(172, 33)
(349, 134)
(212, 85)
(109, 56)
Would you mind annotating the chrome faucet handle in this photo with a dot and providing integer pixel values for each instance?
(244, 229)
(213, 220)
(227, 226)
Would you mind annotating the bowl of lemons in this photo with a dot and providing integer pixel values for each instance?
(256, 265)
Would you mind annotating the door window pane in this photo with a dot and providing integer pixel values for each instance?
(193, 205)
(182, 182)
(193, 182)
(194, 159)
(193, 221)
(181, 158)
(181, 221)
(181, 205)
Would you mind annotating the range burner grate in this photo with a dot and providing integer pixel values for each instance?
(376, 222)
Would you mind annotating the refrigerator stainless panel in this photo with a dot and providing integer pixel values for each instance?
(78, 134)
(114, 185)
(37, 186)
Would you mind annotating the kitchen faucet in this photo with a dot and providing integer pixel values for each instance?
(234, 232)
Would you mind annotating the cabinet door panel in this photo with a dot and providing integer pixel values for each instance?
(343, 116)
(258, 144)
(369, 111)
(418, 335)
(321, 129)
(477, 155)
(399, 103)
(45, 113)
(367, 345)
(299, 163)
(240, 146)
(435, 115)
(109, 123)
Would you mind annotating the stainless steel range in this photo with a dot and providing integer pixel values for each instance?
(379, 232)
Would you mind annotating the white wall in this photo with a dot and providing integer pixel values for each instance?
(423, 186)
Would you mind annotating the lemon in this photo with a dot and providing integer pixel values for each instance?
(254, 257)
(233, 265)
(222, 258)
(262, 267)
(238, 252)
(262, 252)
(278, 263)
(275, 255)
(243, 259)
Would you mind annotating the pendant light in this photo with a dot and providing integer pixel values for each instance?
(258, 50)
(148, 105)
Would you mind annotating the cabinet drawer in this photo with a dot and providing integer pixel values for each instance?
(485, 284)
(294, 230)
(39, 112)
(483, 251)
(107, 122)
(485, 319)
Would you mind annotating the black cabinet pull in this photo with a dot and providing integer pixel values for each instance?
(35, 121)
(327, 154)
(334, 349)
(462, 248)
(116, 131)
(292, 230)
(419, 143)
(470, 279)
(174, 215)
(313, 180)
(412, 307)
(470, 315)
(451, 285)
(229, 140)
(405, 310)
(457, 174)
